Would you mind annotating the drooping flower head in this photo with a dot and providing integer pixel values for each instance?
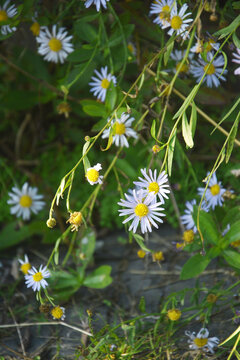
(178, 22)
(214, 192)
(141, 210)
(97, 3)
(121, 130)
(58, 313)
(36, 278)
(237, 61)
(101, 83)
(207, 46)
(163, 10)
(54, 46)
(201, 341)
(153, 183)
(213, 72)
(24, 201)
(177, 56)
(25, 265)
(93, 176)
(7, 12)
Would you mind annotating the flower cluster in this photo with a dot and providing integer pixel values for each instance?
(142, 205)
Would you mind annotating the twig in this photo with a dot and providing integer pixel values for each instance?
(47, 323)
(15, 352)
(165, 272)
(18, 331)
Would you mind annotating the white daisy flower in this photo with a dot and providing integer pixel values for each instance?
(97, 3)
(163, 10)
(36, 278)
(226, 230)
(201, 341)
(141, 209)
(214, 192)
(25, 265)
(58, 313)
(177, 56)
(5, 14)
(153, 183)
(121, 130)
(102, 83)
(178, 22)
(209, 45)
(132, 48)
(24, 201)
(214, 71)
(187, 218)
(54, 46)
(93, 176)
(237, 60)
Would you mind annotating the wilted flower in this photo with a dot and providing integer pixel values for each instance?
(174, 314)
(58, 313)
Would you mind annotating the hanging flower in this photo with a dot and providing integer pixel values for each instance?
(214, 192)
(93, 176)
(25, 265)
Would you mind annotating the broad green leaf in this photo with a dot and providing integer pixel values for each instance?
(194, 266)
(232, 136)
(99, 278)
(117, 35)
(86, 163)
(94, 108)
(186, 131)
(85, 31)
(140, 240)
(233, 233)
(208, 227)
(171, 151)
(80, 55)
(232, 257)
(193, 119)
(231, 216)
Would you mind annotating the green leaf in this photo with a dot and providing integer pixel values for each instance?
(230, 28)
(194, 266)
(85, 31)
(228, 114)
(231, 216)
(236, 40)
(140, 240)
(193, 119)
(208, 227)
(80, 55)
(232, 257)
(12, 235)
(167, 53)
(99, 278)
(111, 97)
(93, 108)
(117, 36)
(186, 103)
(236, 5)
(153, 131)
(231, 138)
(142, 305)
(234, 233)
(186, 131)
(171, 151)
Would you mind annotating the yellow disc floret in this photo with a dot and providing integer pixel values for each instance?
(188, 236)
(57, 312)
(184, 68)
(37, 277)
(92, 175)
(25, 201)
(174, 314)
(3, 15)
(165, 13)
(55, 44)
(75, 220)
(153, 187)
(200, 342)
(215, 189)
(211, 69)
(141, 210)
(211, 298)
(158, 256)
(119, 128)
(35, 28)
(141, 253)
(176, 22)
(25, 267)
(105, 83)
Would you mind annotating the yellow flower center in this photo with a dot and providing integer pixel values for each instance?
(165, 13)
(35, 28)
(76, 218)
(200, 342)
(38, 276)
(119, 128)
(211, 69)
(55, 44)
(174, 314)
(176, 22)
(215, 189)
(209, 45)
(141, 254)
(141, 210)
(105, 83)
(184, 68)
(156, 149)
(92, 175)
(25, 267)
(211, 298)
(3, 15)
(158, 256)
(130, 48)
(188, 236)
(57, 312)
(153, 187)
(25, 201)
